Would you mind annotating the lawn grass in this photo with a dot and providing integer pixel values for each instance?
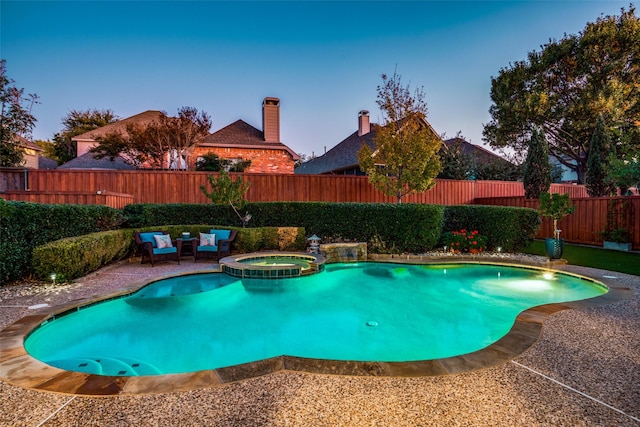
(589, 256)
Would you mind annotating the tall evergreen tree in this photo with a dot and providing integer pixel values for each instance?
(597, 182)
(537, 173)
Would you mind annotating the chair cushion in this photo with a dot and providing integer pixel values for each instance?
(147, 236)
(163, 241)
(162, 251)
(207, 249)
(207, 239)
(221, 234)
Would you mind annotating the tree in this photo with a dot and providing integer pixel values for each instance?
(405, 158)
(224, 189)
(597, 181)
(75, 123)
(455, 164)
(162, 144)
(16, 119)
(499, 170)
(624, 172)
(537, 171)
(209, 162)
(212, 163)
(564, 88)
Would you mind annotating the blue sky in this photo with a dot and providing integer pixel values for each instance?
(322, 59)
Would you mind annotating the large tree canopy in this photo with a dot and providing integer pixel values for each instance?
(564, 88)
(162, 144)
(16, 119)
(405, 158)
(77, 122)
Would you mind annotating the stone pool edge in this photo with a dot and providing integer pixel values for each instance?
(18, 368)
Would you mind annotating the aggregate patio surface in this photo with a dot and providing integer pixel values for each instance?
(583, 371)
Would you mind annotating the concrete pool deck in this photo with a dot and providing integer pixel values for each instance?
(584, 370)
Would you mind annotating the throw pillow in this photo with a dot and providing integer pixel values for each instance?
(207, 239)
(163, 241)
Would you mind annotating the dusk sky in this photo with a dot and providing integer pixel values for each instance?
(322, 59)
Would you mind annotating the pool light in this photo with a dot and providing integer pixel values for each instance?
(547, 275)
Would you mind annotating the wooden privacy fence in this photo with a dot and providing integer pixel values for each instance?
(113, 200)
(119, 188)
(184, 187)
(584, 224)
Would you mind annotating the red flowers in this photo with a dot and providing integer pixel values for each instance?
(464, 240)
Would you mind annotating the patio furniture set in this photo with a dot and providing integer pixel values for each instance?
(158, 246)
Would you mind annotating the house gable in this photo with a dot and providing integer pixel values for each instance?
(240, 140)
(479, 154)
(87, 140)
(343, 158)
(236, 141)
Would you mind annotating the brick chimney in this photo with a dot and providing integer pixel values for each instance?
(363, 123)
(271, 119)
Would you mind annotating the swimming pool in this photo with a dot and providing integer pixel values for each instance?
(371, 312)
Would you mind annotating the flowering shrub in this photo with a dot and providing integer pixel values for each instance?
(463, 241)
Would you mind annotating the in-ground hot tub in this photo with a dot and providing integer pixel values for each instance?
(272, 265)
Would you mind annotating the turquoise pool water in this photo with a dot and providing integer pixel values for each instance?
(363, 312)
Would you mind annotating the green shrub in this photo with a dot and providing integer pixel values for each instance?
(412, 228)
(507, 227)
(24, 225)
(74, 257)
(147, 215)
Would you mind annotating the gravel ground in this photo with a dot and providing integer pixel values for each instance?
(584, 371)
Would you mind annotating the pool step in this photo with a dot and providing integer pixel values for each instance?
(107, 366)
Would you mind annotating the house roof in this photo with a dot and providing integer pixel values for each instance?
(120, 126)
(342, 156)
(479, 153)
(25, 143)
(241, 134)
(46, 163)
(87, 161)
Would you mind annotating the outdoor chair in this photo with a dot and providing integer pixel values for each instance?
(214, 245)
(156, 248)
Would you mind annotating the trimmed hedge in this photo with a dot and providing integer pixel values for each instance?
(508, 227)
(387, 228)
(391, 228)
(75, 257)
(25, 225)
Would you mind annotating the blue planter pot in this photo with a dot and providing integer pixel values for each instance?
(554, 248)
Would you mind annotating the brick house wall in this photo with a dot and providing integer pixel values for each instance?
(262, 160)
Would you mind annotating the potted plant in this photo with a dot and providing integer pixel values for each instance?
(617, 239)
(555, 206)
